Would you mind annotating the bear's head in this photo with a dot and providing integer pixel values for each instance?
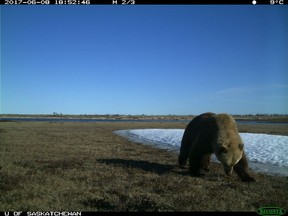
(228, 146)
(229, 154)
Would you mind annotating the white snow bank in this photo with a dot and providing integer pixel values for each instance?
(266, 153)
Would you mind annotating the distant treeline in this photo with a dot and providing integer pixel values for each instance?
(168, 115)
(261, 114)
(119, 115)
(131, 116)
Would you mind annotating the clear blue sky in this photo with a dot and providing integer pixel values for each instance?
(154, 59)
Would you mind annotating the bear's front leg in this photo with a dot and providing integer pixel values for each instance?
(205, 161)
(241, 170)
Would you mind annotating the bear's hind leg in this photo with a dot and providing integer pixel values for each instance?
(182, 159)
(185, 148)
(195, 163)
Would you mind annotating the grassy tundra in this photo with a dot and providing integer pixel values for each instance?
(85, 167)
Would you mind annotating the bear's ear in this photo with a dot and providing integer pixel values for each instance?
(241, 146)
(222, 150)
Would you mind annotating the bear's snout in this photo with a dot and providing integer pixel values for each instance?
(228, 170)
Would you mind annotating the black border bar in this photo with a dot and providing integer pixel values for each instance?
(142, 2)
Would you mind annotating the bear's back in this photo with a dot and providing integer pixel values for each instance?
(199, 122)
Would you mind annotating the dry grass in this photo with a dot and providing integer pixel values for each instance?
(85, 167)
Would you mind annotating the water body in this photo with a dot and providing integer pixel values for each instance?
(83, 120)
(120, 120)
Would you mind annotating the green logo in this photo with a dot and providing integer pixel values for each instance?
(271, 211)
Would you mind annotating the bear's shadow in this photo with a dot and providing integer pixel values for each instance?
(139, 164)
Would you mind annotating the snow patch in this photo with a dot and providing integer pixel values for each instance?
(266, 153)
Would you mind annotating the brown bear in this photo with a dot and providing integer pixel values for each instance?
(214, 133)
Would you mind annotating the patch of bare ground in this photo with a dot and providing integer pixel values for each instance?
(86, 167)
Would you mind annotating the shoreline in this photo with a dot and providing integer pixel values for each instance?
(46, 164)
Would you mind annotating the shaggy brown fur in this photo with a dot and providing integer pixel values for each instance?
(214, 133)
